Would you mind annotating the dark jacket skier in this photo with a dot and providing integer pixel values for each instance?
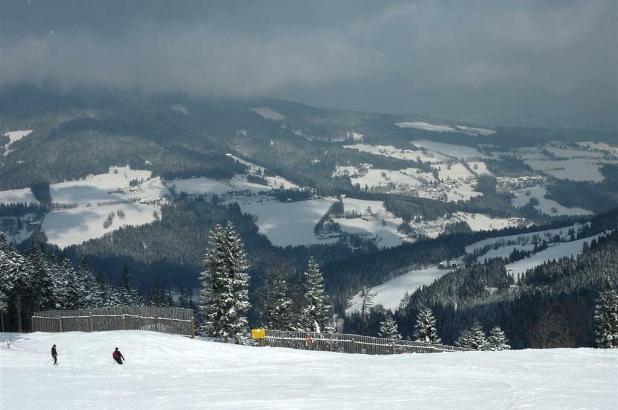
(118, 357)
(54, 354)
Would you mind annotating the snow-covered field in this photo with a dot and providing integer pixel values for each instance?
(14, 136)
(426, 126)
(390, 293)
(288, 223)
(76, 225)
(268, 113)
(90, 207)
(449, 150)
(545, 205)
(17, 196)
(555, 252)
(174, 372)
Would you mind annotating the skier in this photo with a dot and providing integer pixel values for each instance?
(8, 345)
(118, 357)
(54, 354)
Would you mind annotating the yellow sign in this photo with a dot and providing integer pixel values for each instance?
(258, 333)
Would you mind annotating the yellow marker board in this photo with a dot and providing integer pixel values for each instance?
(258, 333)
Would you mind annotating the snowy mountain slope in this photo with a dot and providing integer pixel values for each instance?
(390, 293)
(173, 372)
(14, 136)
(555, 252)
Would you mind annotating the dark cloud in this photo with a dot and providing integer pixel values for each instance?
(548, 63)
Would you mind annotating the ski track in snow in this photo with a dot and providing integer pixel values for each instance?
(174, 372)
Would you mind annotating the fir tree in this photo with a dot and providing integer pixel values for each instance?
(473, 338)
(388, 328)
(606, 316)
(277, 305)
(425, 329)
(316, 308)
(224, 298)
(497, 339)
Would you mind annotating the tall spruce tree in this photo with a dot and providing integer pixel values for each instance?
(316, 310)
(389, 328)
(606, 316)
(224, 298)
(278, 306)
(497, 339)
(425, 329)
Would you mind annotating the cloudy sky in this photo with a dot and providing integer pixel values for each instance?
(535, 63)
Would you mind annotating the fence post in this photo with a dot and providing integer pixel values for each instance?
(124, 322)
(192, 328)
(156, 323)
(60, 323)
(91, 323)
(353, 345)
(393, 347)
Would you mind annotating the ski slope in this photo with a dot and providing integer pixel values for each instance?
(173, 372)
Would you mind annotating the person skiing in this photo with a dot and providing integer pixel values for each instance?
(118, 357)
(54, 354)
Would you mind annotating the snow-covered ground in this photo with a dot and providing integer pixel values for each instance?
(554, 252)
(14, 136)
(547, 235)
(390, 293)
(288, 223)
(173, 372)
(17, 196)
(545, 205)
(426, 126)
(90, 207)
(76, 225)
(268, 113)
(449, 150)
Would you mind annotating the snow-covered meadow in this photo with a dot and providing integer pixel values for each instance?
(173, 372)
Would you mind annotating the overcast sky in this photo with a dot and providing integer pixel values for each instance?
(535, 63)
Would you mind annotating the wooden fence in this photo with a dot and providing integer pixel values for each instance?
(346, 343)
(159, 319)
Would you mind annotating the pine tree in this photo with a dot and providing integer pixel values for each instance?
(606, 316)
(389, 328)
(316, 308)
(473, 338)
(425, 329)
(497, 339)
(127, 294)
(224, 299)
(277, 305)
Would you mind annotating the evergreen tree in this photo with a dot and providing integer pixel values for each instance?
(224, 298)
(606, 316)
(316, 311)
(278, 306)
(497, 339)
(366, 305)
(473, 338)
(425, 329)
(127, 294)
(388, 328)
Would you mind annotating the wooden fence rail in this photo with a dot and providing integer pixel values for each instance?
(347, 343)
(158, 319)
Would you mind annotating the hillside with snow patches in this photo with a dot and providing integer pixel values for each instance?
(173, 372)
(560, 244)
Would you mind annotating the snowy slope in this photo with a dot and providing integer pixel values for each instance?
(17, 196)
(14, 136)
(390, 293)
(555, 252)
(173, 372)
(288, 223)
(545, 205)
